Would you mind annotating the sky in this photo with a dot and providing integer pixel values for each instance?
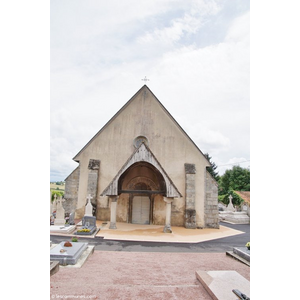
(196, 55)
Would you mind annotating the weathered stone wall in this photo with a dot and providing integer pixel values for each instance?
(71, 191)
(177, 212)
(211, 212)
(159, 210)
(190, 191)
(93, 167)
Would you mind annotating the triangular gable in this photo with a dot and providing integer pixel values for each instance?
(126, 104)
(143, 153)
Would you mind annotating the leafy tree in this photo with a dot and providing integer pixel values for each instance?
(58, 193)
(236, 179)
(212, 169)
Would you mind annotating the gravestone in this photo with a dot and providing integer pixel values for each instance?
(71, 218)
(60, 213)
(67, 255)
(88, 222)
(230, 205)
(89, 207)
(54, 204)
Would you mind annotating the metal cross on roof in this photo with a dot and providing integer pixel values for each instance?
(146, 79)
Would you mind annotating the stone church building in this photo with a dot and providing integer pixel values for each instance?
(143, 168)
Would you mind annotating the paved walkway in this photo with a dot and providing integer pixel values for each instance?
(133, 275)
(154, 233)
(148, 274)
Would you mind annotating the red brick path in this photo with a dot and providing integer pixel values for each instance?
(142, 275)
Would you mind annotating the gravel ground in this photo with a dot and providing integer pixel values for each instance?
(140, 275)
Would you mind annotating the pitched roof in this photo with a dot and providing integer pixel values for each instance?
(244, 195)
(124, 106)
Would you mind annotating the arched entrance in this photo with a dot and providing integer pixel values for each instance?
(143, 169)
(142, 181)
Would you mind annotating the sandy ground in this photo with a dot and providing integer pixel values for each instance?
(154, 233)
(147, 275)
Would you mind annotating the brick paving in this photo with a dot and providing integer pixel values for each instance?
(140, 275)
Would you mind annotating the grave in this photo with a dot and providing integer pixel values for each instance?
(240, 253)
(89, 207)
(67, 255)
(232, 216)
(88, 226)
(219, 284)
(62, 229)
(60, 213)
(72, 218)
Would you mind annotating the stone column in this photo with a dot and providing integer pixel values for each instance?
(94, 168)
(167, 228)
(190, 212)
(113, 212)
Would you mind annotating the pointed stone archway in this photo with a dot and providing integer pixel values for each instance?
(141, 175)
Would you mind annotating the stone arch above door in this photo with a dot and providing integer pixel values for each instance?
(142, 154)
(133, 183)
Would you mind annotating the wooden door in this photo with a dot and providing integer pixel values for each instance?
(141, 210)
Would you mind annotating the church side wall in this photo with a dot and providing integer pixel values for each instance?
(211, 206)
(71, 191)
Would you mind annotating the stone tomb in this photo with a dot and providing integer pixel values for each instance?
(232, 216)
(62, 229)
(88, 222)
(67, 255)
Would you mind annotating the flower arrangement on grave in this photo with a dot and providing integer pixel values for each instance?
(248, 245)
(84, 230)
(67, 244)
(74, 239)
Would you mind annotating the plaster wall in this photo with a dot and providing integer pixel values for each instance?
(143, 115)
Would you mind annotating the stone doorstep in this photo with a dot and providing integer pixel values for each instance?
(219, 284)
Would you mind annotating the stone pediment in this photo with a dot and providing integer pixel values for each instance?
(142, 154)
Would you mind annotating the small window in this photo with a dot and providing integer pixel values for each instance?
(139, 140)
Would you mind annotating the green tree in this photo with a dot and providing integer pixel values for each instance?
(212, 169)
(58, 193)
(236, 179)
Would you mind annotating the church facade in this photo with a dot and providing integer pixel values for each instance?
(143, 168)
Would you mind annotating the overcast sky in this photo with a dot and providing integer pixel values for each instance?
(195, 53)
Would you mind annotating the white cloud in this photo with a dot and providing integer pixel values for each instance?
(99, 55)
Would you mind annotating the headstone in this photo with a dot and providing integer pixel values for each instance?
(230, 205)
(89, 207)
(54, 204)
(71, 218)
(88, 222)
(51, 210)
(244, 207)
(60, 213)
